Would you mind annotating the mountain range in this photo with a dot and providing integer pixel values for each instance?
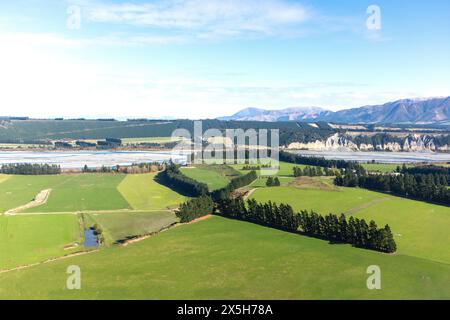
(418, 111)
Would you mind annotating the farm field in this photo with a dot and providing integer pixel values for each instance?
(87, 192)
(79, 192)
(142, 192)
(72, 192)
(421, 229)
(215, 176)
(19, 190)
(286, 169)
(128, 141)
(32, 238)
(112, 200)
(236, 260)
(120, 225)
(381, 167)
(256, 262)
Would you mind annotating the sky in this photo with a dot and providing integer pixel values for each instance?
(210, 58)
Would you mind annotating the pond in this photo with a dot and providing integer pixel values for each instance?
(90, 239)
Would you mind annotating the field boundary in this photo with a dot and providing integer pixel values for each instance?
(131, 211)
(75, 254)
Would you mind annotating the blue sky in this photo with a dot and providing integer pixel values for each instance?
(199, 59)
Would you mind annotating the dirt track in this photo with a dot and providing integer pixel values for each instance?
(40, 199)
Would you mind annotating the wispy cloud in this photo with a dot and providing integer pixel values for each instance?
(204, 18)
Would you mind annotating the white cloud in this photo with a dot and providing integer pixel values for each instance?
(39, 81)
(200, 17)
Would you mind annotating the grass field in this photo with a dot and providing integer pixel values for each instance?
(143, 193)
(78, 192)
(19, 190)
(120, 225)
(83, 192)
(4, 177)
(217, 258)
(286, 169)
(215, 176)
(161, 140)
(74, 192)
(38, 233)
(225, 259)
(421, 229)
(33, 238)
(381, 167)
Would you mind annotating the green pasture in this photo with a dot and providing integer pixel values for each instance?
(286, 169)
(215, 176)
(79, 192)
(70, 193)
(162, 140)
(381, 167)
(143, 193)
(120, 225)
(421, 229)
(34, 238)
(226, 259)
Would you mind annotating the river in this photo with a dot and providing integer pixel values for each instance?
(382, 157)
(93, 159)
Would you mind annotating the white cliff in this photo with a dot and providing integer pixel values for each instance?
(341, 142)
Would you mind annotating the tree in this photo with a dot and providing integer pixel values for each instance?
(276, 182)
(195, 208)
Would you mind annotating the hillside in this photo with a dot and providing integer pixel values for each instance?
(289, 114)
(433, 110)
(236, 260)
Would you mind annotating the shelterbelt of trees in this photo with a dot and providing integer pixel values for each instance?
(195, 208)
(30, 169)
(321, 162)
(425, 183)
(312, 172)
(425, 187)
(331, 227)
(175, 179)
(234, 184)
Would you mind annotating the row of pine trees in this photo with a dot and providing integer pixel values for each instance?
(234, 184)
(331, 227)
(424, 187)
(312, 172)
(321, 162)
(30, 169)
(195, 208)
(176, 180)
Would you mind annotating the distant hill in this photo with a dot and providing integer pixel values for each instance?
(289, 114)
(419, 111)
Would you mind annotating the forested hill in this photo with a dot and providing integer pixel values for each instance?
(300, 135)
(41, 130)
(81, 129)
(412, 111)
